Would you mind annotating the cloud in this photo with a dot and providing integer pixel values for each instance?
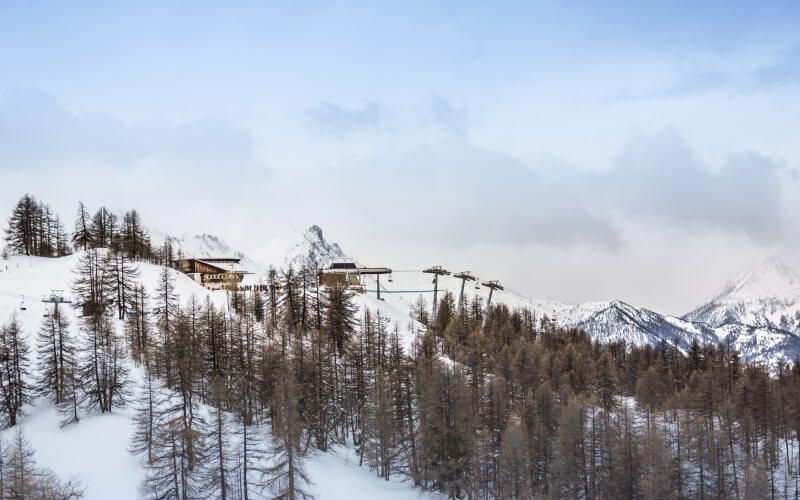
(455, 193)
(451, 118)
(450, 191)
(785, 71)
(660, 178)
(693, 84)
(332, 119)
(36, 132)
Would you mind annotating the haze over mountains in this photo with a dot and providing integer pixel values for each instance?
(757, 314)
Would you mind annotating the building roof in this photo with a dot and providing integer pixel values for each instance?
(343, 265)
(223, 266)
(235, 260)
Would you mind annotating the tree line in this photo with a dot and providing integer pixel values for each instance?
(33, 229)
(497, 403)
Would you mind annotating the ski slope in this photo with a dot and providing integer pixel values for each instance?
(96, 448)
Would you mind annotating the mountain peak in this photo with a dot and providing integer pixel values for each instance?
(771, 278)
(300, 248)
(316, 231)
(766, 296)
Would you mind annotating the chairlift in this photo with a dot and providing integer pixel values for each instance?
(22, 305)
(391, 279)
(46, 313)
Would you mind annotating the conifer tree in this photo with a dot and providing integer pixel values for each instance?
(81, 234)
(135, 242)
(56, 355)
(33, 229)
(512, 470)
(166, 313)
(25, 479)
(340, 312)
(287, 478)
(150, 401)
(138, 325)
(103, 228)
(177, 452)
(124, 275)
(14, 364)
(102, 367)
(220, 474)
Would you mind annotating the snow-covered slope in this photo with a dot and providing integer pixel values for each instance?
(299, 248)
(96, 449)
(766, 296)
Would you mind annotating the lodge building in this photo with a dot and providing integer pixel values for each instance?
(214, 273)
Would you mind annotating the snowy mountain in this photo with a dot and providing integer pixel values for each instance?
(758, 315)
(208, 245)
(616, 321)
(298, 248)
(767, 296)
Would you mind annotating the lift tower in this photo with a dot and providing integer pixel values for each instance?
(436, 271)
(56, 297)
(492, 286)
(464, 276)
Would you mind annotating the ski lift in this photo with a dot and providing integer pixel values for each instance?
(477, 284)
(46, 313)
(390, 278)
(22, 306)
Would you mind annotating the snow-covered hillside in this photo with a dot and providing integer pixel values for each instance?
(766, 296)
(96, 448)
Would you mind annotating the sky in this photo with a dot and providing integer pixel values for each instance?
(574, 151)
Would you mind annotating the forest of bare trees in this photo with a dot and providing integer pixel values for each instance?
(496, 403)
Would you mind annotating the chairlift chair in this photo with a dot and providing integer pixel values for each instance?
(22, 305)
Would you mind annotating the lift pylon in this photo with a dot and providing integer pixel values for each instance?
(436, 271)
(464, 276)
(56, 297)
(492, 286)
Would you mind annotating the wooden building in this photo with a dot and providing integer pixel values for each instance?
(214, 273)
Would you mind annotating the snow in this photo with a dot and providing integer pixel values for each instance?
(96, 448)
(299, 248)
(336, 475)
(766, 296)
(399, 317)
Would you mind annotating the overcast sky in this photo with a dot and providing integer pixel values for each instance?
(573, 150)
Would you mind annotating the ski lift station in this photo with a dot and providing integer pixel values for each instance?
(352, 275)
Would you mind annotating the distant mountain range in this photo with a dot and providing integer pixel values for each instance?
(758, 314)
